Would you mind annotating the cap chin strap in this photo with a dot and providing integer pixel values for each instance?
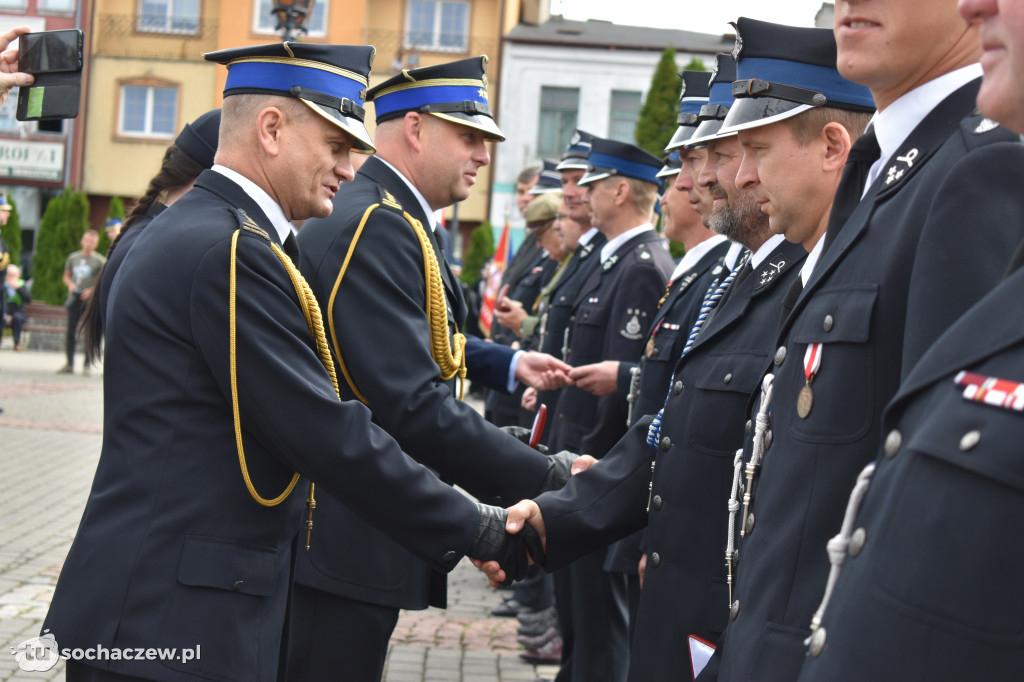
(342, 104)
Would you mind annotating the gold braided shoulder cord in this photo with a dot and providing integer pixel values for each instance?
(448, 361)
(314, 320)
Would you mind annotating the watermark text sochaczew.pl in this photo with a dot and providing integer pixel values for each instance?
(40, 654)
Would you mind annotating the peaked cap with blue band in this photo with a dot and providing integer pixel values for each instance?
(330, 79)
(719, 100)
(576, 154)
(696, 88)
(611, 157)
(456, 91)
(783, 71)
(549, 179)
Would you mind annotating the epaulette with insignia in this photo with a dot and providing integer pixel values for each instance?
(389, 200)
(248, 224)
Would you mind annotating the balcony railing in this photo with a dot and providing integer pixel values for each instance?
(137, 36)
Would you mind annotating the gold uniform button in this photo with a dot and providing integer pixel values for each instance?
(828, 322)
(734, 610)
(780, 356)
(893, 442)
(857, 541)
(970, 439)
(817, 642)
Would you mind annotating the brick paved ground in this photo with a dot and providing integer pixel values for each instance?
(50, 435)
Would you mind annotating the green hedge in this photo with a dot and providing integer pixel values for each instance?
(65, 220)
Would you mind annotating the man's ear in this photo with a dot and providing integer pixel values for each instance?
(270, 124)
(621, 192)
(414, 126)
(837, 144)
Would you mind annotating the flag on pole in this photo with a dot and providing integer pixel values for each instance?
(493, 273)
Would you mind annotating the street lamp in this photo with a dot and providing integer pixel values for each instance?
(291, 17)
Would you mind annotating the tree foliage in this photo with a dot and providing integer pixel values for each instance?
(481, 247)
(12, 232)
(65, 220)
(658, 113)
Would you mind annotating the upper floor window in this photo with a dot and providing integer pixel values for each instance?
(316, 22)
(169, 16)
(623, 115)
(437, 25)
(16, 5)
(55, 5)
(558, 111)
(148, 111)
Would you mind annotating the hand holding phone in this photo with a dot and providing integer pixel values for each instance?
(10, 75)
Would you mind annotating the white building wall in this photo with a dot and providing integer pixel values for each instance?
(527, 68)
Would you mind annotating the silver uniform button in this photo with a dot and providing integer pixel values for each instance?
(750, 523)
(817, 642)
(665, 443)
(827, 323)
(656, 502)
(728, 378)
(734, 610)
(655, 558)
(780, 356)
(857, 541)
(969, 440)
(768, 437)
(677, 388)
(893, 442)
(748, 426)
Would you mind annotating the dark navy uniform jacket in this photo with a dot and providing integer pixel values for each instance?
(118, 254)
(382, 337)
(610, 318)
(555, 320)
(931, 237)
(929, 590)
(172, 550)
(684, 589)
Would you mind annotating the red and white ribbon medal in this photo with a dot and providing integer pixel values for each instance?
(992, 390)
(812, 363)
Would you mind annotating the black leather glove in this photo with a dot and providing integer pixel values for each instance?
(559, 471)
(493, 543)
(522, 434)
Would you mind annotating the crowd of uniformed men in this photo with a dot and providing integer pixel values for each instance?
(796, 450)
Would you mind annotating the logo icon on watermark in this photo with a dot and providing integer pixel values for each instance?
(38, 654)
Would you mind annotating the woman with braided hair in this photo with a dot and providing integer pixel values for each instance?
(189, 155)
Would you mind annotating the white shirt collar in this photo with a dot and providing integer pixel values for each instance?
(732, 256)
(894, 124)
(609, 249)
(429, 212)
(270, 208)
(812, 260)
(587, 236)
(766, 249)
(694, 255)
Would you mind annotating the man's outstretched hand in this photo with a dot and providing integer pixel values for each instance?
(508, 554)
(542, 371)
(522, 519)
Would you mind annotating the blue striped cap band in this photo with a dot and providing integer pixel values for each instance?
(280, 75)
(411, 96)
(630, 169)
(823, 79)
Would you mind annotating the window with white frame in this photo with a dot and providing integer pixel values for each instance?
(558, 112)
(17, 5)
(169, 16)
(623, 115)
(263, 21)
(437, 25)
(55, 6)
(148, 111)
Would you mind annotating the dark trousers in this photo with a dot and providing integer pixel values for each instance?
(336, 638)
(536, 590)
(17, 322)
(593, 616)
(75, 308)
